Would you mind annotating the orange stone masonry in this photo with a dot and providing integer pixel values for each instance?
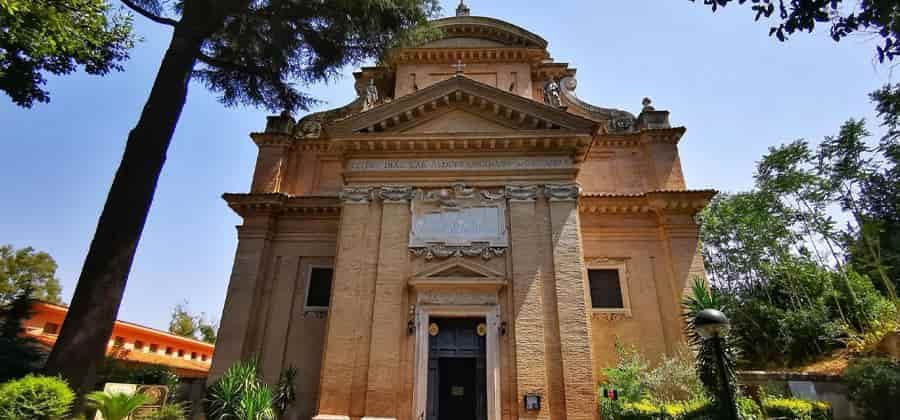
(467, 203)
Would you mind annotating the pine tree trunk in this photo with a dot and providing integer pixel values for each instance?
(86, 332)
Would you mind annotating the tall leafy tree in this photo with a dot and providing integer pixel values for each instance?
(26, 268)
(183, 323)
(40, 37)
(876, 17)
(249, 52)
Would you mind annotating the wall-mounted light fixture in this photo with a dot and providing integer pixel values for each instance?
(411, 321)
(532, 401)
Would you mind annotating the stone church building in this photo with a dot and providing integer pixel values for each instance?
(465, 240)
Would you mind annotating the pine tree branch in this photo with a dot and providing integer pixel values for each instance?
(143, 12)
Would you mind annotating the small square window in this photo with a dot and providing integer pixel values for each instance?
(138, 345)
(606, 290)
(51, 328)
(119, 341)
(318, 289)
(203, 357)
(154, 348)
(193, 355)
(169, 351)
(180, 353)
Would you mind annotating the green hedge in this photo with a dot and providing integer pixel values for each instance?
(782, 408)
(792, 408)
(35, 397)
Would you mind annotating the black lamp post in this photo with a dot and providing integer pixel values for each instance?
(713, 325)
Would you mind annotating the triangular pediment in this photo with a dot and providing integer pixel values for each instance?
(458, 273)
(484, 108)
(456, 120)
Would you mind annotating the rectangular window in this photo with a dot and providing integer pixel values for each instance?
(168, 351)
(606, 291)
(180, 353)
(318, 288)
(51, 328)
(203, 357)
(138, 345)
(154, 348)
(119, 341)
(193, 355)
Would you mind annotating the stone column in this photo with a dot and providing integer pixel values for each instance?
(571, 294)
(251, 257)
(344, 364)
(389, 313)
(527, 288)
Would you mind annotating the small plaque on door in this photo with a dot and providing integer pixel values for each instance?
(457, 391)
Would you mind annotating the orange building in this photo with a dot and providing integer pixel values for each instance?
(131, 342)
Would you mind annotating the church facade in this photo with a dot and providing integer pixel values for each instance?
(466, 240)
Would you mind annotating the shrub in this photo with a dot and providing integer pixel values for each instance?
(874, 385)
(115, 406)
(699, 409)
(675, 379)
(793, 408)
(35, 397)
(168, 412)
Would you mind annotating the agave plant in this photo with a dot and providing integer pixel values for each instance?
(284, 392)
(115, 406)
(240, 394)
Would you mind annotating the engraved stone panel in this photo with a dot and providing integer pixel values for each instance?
(460, 164)
(458, 222)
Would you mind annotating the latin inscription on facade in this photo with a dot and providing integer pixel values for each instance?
(461, 164)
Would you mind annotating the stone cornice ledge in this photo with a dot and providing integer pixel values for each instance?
(663, 201)
(245, 204)
(644, 136)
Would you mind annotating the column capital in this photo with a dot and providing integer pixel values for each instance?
(562, 192)
(521, 192)
(395, 193)
(355, 195)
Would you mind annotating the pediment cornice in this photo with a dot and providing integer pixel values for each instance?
(465, 93)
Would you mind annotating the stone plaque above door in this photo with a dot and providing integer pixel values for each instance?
(458, 221)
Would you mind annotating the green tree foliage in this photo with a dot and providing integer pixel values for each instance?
(795, 282)
(115, 406)
(874, 386)
(57, 37)
(19, 354)
(25, 267)
(35, 397)
(187, 325)
(248, 52)
(876, 17)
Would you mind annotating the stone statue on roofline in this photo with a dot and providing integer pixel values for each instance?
(552, 93)
(371, 96)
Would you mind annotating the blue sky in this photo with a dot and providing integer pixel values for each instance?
(735, 89)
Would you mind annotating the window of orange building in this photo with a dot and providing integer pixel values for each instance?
(51, 328)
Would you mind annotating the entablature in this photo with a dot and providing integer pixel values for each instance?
(249, 204)
(688, 202)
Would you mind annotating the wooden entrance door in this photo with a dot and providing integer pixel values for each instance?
(456, 371)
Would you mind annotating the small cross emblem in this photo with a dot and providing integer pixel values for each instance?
(459, 66)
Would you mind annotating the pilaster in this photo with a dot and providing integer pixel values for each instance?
(388, 312)
(679, 237)
(346, 357)
(527, 281)
(254, 243)
(571, 292)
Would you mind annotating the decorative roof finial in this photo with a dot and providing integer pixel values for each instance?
(647, 105)
(462, 9)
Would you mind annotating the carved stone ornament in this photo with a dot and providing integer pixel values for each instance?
(610, 316)
(442, 251)
(356, 195)
(552, 93)
(562, 192)
(395, 193)
(521, 192)
(309, 128)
